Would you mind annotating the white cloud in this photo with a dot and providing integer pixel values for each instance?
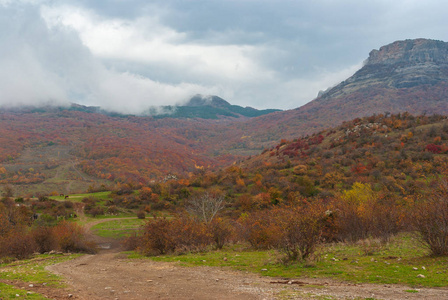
(147, 41)
(44, 65)
(129, 55)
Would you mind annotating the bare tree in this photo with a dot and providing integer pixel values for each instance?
(206, 206)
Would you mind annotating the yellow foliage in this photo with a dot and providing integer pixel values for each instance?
(359, 194)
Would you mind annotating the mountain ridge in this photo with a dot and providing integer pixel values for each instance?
(404, 76)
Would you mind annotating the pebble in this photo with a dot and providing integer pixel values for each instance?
(264, 270)
(415, 269)
(421, 276)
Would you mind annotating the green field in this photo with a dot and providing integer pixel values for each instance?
(117, 229)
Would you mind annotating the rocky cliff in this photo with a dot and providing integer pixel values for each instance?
(404, 76)
(402, 64)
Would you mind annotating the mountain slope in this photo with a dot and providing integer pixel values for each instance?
(405, 76)
(208, 107)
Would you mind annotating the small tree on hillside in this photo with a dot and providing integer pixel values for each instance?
(206, 206)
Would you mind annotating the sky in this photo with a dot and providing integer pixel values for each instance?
(129, 55)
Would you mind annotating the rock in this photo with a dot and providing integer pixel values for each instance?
(423, 268)
(415, 269)
(31, 285)
(225, 259)
(70, 295)
(264, 270)
(421, 276)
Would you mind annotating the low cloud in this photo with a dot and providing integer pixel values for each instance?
(50, 65)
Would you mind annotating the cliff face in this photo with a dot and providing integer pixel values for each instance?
(402, 64)
(419, 51)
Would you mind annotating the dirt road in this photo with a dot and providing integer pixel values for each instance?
(110, 275)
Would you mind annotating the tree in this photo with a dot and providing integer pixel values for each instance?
(206, 206)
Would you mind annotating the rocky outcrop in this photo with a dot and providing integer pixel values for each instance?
(419, 51)
(402, 64)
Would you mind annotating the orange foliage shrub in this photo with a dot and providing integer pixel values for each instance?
(221, 231)
(160, 236)
(70, 237)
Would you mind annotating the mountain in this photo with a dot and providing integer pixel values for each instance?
(70, 149)
(207, 107)
(404, 76)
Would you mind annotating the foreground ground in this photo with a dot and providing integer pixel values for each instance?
(110, 274)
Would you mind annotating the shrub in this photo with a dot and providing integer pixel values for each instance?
(221, 231)
(70, 237)
(44, 238)
(141, 215)
(190, 234)
(260, 229)
(157, 237)
(18, 243)
(430, 220)
(302, 228)
(184, 233)
(362, 213)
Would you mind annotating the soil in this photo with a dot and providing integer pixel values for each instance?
(110, 275)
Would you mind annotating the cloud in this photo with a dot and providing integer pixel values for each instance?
(41, 64)
(130, 55)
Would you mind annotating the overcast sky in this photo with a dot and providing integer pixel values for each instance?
(128, 55)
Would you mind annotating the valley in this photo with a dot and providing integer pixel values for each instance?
(345, 197)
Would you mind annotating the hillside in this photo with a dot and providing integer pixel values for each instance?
(68, 150)
(397, 154)
(405, 76)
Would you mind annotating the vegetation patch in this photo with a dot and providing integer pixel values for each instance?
(10, 292)
(400, 261)
(33, 270)
(118, 228)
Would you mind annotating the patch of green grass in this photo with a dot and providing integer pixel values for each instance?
(9, 292)
(118, 228)
(33, 270)
(79, 197)
(394, 263)
(411, 291)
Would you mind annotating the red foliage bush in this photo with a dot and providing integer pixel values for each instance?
(436, 149)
